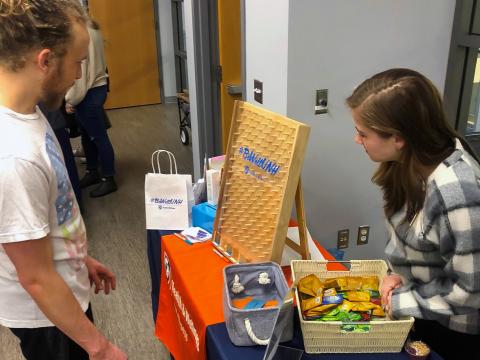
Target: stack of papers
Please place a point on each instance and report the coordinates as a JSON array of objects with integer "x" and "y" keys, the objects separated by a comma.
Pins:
[{"x": 196, "y": 234}]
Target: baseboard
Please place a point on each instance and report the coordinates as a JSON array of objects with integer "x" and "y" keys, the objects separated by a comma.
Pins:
[{"x": 170, "y": 99}]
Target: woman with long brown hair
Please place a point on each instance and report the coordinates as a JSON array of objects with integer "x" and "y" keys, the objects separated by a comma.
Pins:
[{"x": 430, "y": 181}]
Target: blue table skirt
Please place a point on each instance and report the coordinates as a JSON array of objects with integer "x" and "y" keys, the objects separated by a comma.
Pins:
[
  {"x": 153, "y": 252},
  {"x": 219, "y": 347}
]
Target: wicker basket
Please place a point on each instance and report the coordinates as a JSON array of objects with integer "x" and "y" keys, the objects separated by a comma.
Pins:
[{"x": 328, "y": 337}]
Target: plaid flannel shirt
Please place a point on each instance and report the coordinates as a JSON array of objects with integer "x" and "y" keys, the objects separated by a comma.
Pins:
[{"x": 438, "y": 254}]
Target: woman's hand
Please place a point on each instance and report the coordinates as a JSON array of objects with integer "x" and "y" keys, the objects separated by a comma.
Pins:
[{"x": 389, "y": 283}]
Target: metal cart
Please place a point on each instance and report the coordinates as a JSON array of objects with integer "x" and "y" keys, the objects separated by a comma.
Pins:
[{"x": 183, "y": 102}]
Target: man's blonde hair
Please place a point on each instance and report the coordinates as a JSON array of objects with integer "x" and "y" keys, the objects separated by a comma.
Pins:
[{"x": 26, "y": 25}]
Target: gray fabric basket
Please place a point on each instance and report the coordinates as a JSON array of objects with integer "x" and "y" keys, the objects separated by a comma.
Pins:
[{"x": 261, "y": 320}]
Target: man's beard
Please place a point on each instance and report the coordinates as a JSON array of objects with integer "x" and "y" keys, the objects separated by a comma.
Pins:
[{"x": 53, "y": 96}]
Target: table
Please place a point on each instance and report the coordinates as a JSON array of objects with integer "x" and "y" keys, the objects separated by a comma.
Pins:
[{"x": 190, "y": 320}]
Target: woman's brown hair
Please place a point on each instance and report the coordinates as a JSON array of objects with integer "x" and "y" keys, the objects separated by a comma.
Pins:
[
  {"x": 405, "y": 103},
  {"x": 26, "y": 25}
]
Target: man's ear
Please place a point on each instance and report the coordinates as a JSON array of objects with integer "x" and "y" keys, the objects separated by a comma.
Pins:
[
  {"x": 399, "y": 142},
  {"x": 44, "y": 59}
]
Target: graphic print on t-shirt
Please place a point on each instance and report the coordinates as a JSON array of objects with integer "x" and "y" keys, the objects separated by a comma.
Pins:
[{"x": 64, "y": 201}]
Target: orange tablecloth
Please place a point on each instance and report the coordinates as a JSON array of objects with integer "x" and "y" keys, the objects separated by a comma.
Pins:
[{"x": 190, "y": 296}]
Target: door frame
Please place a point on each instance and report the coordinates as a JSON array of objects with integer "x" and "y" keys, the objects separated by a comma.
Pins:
[
  {"x": 159, "y": 50},
  {"x": 199, "y": 73},
  {"x": 462, "y": 61},
  {"x": 202, "y": 54},
  {"x": 243, "y": 44}
]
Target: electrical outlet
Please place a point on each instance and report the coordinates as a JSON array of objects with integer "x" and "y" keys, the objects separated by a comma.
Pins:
[
  {"x": 258, "y": 91},
  {"x": 342, "y": 238},
  {"x": 321, "y": 101},
  {"x": 362, "y": 236}
]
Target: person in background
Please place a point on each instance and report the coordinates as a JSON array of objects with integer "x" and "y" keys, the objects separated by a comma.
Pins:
[
  {"x": 45, "y": 271},
  {"x": 86, "y": 98},
  {"x": 430, "y": 181},
  {"x": 59, "y": 125}
]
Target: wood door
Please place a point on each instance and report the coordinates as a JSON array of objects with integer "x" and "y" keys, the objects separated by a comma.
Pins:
[
  {"x": 230, "y": 57},
  {"x": 128, "y": 28}
]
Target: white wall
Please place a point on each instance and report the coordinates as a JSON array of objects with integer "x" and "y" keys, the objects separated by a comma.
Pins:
[
  {"x": 168, "y": 54},
  {"x": 266, "y": 37},
  {"x": 336, "y": 45}
]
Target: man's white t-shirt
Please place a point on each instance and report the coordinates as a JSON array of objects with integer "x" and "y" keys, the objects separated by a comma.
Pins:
[{"x": 36, "y": 200}]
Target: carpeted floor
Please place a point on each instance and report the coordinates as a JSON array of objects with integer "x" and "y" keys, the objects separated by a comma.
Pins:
[{"x": 116, "y": 230}]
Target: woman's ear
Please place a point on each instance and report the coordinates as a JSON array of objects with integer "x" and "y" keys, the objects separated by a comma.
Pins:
[{"x": 399, "y": 142}]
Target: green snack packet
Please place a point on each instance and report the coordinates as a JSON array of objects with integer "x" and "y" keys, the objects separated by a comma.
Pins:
[
  {"x": 354, "y": 316},
  {"x": 336, "y": 316}
]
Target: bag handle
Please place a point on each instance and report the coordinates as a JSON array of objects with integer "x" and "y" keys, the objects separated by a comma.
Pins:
[
  {"x": 171, "y": 157},
  {"x": 252, "y": 335}
]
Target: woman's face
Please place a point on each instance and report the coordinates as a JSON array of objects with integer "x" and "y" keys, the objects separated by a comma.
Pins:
[{"x": 378, "y": 148}]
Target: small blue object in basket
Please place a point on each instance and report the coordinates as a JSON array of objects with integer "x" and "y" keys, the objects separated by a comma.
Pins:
[
  {"x": 254, "y": 304},
  {"x": 203, "y": 215}
]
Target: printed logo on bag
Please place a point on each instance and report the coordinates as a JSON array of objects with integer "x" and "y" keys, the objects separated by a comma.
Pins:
[{"x": 166, "y": 203}]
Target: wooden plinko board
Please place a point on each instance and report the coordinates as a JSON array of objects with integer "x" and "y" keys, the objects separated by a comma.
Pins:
[{"x": 261, "y": 173}]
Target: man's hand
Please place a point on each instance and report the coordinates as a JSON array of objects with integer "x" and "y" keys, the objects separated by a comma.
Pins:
[
  {"x": 110, "y": 352},
  {"x": 389, "y": 283},
  {"x": 69, "y": 108},
  {"x": 99, "y": 275}
]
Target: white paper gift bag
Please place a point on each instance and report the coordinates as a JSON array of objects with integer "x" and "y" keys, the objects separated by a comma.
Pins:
[{"x": 168, "y": 197}]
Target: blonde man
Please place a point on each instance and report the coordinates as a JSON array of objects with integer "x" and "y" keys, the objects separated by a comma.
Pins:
[{"x": 45, "y": 272}]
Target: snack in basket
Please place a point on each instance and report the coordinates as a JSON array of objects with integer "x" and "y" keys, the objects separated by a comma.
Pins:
[
  {"x": 311, "y": 285},
  {"x": 340, "y": 315},
  {"x": 318, "y": 311},
  {"x": 330, "y": 292},
  {"x": 344, "y": 299},
  {"x": 333, "y": 299},
  {"x": 370, "y": 283},
  {"x": 311, "y": 303},
  {"x": 357, "y": 296}
]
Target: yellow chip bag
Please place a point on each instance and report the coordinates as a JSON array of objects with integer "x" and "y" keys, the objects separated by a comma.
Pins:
[
  {"x": 341, "y": 283},
  {"x": 346, "y": 305},
  {"x": 370, "y": 283},
  {"x": 319, "y": 310},
  {"x": 354, "y": 283},
  {"x": 378, "y": 311},
  {"x": 311, "y": 303},
  {"x": 364, "y": 306},
  {"x": 310, "y": 285},
  {"x": 330, "y": 292},
  {"x": 331, "y": 283},
  {"x": 358, "y": 296}
]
